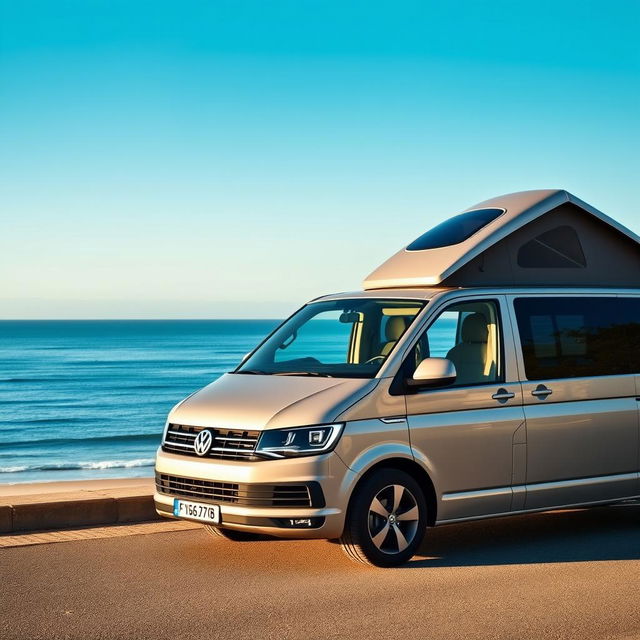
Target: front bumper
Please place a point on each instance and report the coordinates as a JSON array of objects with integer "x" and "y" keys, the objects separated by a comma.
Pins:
[{"x": 326, "y": 507}]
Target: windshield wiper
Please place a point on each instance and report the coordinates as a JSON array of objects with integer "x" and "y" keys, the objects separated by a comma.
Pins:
[
  {"x": 254, "y": 372},
  {"x": 303, "y": 373}
]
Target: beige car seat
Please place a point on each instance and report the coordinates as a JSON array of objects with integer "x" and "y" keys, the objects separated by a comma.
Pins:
[
  {"x": 393, "y": 330},
  {"x": 470, "y": 355}
]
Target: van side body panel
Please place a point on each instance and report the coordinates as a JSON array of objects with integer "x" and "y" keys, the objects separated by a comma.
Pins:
[
  {"x": 377, "y": 403},
  {"x": 465, "y": 436},
  {"x": 364, "y": 443},
  {"x": 638, "y": 407},
  {"x": 582, "y": 438}
]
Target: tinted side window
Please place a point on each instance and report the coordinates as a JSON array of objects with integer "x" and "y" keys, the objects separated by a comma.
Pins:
[
  {"x": 630, "y": 316},
  {"x": 572, "y": 337}
]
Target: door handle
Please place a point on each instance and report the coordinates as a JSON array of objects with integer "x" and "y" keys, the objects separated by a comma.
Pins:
[
  {"x": 541, "y": 391},
  {"x": 502, "y": 395}
]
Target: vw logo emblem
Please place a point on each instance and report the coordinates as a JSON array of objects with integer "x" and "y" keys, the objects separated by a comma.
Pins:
[{"x": 203, "y": 442}]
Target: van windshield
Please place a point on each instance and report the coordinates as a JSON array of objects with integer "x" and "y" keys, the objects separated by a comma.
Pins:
[{"x": 334, "y": 338}]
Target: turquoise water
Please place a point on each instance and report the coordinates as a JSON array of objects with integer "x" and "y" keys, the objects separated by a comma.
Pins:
[{"x": 88, "y": 399}]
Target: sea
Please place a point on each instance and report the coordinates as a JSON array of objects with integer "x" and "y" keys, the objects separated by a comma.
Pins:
[{"x": 89, "y": 398}]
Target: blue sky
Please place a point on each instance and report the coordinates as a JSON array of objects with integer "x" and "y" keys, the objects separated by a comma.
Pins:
[{"x": 233, "y": 159}]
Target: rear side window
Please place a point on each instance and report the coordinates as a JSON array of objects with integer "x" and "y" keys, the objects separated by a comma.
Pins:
[
  {"x": 630, "y": 316},
  {"x": 575, "y": 337}
]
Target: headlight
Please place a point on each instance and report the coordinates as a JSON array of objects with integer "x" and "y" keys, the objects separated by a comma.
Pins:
[{"x": 298, "y": 441}]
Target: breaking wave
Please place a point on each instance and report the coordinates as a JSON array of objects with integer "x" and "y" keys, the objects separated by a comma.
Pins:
[{"x": 66, "y": 466}]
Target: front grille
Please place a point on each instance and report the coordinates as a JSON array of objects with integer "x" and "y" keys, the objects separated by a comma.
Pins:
[
  {"x": 250, "y": 495},
  {"x": 228, "y": 444}
]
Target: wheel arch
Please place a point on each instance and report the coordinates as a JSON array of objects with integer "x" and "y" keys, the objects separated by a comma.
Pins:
[{"x": 412, "y": 468}]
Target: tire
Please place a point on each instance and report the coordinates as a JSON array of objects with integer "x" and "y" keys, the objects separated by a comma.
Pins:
[
  {"x": 232, "y": 534},
  {"x": 386, "y": 520}
]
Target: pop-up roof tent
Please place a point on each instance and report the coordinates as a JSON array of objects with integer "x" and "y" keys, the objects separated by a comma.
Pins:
[{"x": 530, "y": 238}]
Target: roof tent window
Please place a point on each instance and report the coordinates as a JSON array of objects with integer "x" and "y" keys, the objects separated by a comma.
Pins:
[
  {"x": 559, "y": 248},
  {"x": 455, "y": 230}
]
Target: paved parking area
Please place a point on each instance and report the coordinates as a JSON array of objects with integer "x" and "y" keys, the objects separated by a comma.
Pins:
[
  {"x": 572, "y": 574},
  {"x": 93, "y": 533}
]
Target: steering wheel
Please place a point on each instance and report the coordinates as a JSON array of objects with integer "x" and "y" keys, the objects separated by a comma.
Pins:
[{"x": 372, "y": 360}]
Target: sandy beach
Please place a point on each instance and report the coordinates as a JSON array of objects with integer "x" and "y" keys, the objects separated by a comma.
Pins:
[{"x": 73, "y": 486}]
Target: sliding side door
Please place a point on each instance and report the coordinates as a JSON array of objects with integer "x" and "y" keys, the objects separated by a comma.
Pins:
[{"x": 579, "y": 400}]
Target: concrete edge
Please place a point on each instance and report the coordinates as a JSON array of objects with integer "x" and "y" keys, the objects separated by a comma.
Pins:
[{"x": 67, "y": 513}]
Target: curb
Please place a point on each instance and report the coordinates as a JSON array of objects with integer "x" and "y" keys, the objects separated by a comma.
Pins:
[{"x": 60, "y": 512}]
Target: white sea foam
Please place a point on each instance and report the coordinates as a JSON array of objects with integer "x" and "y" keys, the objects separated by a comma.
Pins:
[{"x": 66, "y": 466}]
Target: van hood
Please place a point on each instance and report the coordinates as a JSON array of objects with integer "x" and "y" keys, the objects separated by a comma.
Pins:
[{"x": 241, "y": 401}]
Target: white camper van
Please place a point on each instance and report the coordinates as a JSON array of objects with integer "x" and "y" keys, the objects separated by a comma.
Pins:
[{"x": 491, "y": 367}]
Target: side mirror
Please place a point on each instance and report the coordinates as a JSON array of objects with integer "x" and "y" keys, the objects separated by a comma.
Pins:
[{"x": 433, "y": 372}]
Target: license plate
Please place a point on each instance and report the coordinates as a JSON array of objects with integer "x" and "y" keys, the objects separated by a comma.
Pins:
[{"x": 196, "y": 511}]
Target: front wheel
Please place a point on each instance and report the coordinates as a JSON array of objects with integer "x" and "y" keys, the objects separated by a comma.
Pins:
[{"x": 386, "y": 521}]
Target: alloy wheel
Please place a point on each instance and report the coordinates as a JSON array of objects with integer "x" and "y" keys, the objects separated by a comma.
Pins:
[{"x": 393, "y": 519}]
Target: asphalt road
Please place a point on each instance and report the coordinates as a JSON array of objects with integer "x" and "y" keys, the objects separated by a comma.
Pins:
[{"x": 554, "y": 575}]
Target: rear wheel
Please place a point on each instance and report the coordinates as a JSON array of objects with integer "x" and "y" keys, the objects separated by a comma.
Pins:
[
  {"x": 386, "y": 521},
  {"x": 233, "y": 534}
]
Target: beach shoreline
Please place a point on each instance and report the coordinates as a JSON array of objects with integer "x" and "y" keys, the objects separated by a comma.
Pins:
[{"x": 68, "y": 486}]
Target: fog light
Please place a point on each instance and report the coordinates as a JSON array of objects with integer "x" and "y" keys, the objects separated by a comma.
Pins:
[{"x": 300, "y": 522}]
